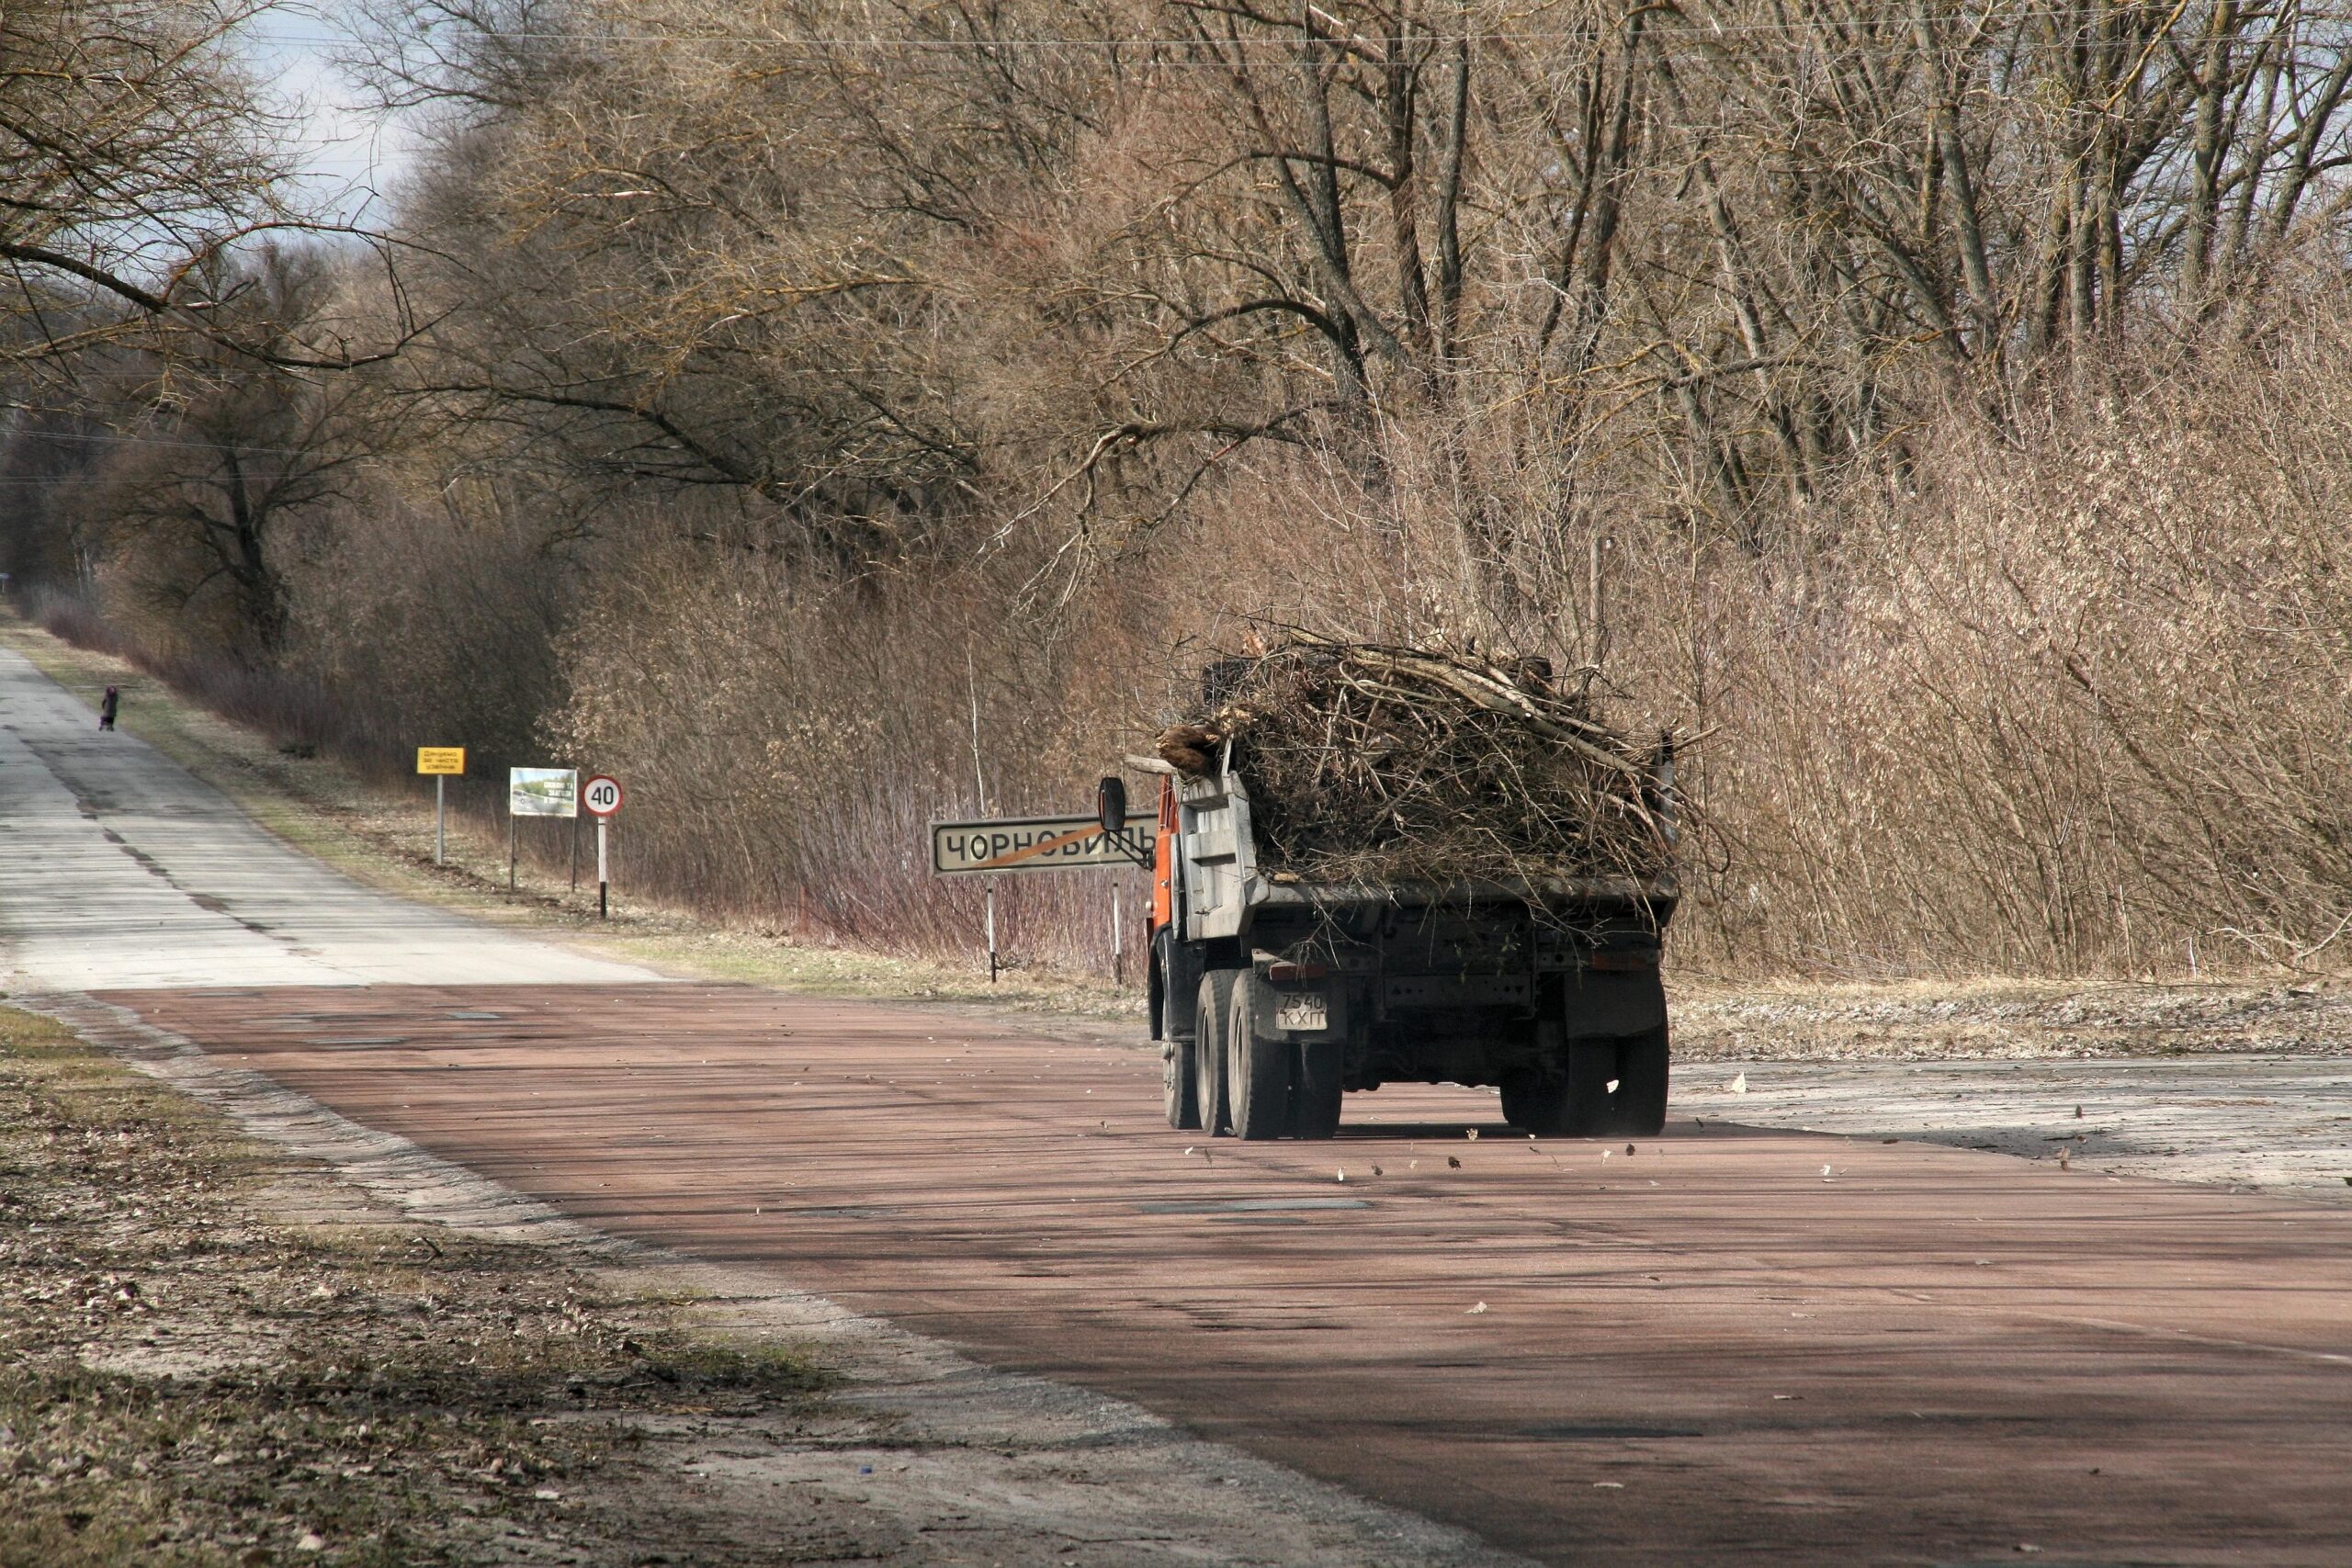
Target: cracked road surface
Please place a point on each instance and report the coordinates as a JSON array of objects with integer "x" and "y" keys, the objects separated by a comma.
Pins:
[{"x": 1729, "y": 1343}]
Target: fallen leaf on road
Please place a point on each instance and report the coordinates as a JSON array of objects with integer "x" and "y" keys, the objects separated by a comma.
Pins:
[
  {"x": 1343, "y": 1173},
  {"x": 1453, "y": 1163},
  {"x": 1609, "y": 1486},
  {"x": 1629, "y": 1148},
  {"x": 1739, "y": 1084},
  {"x": 1475, "y": 1310},
  {"x": 1470, "y": 1133}
]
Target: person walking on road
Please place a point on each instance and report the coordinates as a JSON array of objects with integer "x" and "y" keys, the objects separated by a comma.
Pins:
[{"x": 106, "y": 705}]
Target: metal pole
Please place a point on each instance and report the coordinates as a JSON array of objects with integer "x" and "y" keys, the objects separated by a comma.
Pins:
[
  {"x": 510, "y": 846},
  {"x": 440, "y": 816},
  {"x": 1115, "y": 952},
  {"x": 575, "y": 844},
  {"x": 603, "y": 909},
  {"x": 991, "y": 919}
]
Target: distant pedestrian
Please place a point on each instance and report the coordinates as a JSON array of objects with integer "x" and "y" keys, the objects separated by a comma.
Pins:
[{"x": 106, "y": 705}]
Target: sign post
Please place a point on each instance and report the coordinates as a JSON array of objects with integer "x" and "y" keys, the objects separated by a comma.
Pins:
[
  {"x": 602, "y": 796},
  {"x": 538, "y": 792},
  {"x": 441, "y": 762}
]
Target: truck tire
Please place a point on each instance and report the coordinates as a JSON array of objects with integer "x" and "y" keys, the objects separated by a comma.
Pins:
[
  {"x": 1535, "y": 1102},
  {"x": 1639, "y": 1108},
  {"x": 1564, "y": 1092},
  {"x": 1209, "y": 1030},
  {"x": 1315, "y": 1094},
  {"x": 1178, "y": 1084},
  {"x": 1258, "y": 1071},
  {"x": 1592, "y": 1064}
]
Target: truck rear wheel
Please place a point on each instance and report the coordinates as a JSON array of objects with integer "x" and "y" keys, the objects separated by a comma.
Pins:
[
  {"x": 1315, "y": 1096},
  {"x": 1179, "y": 1092},
  {"x": 1258, "y": 1072},
  {"x": 1209, "y": 1029},
  {"x": 1536, "y": 1102},
  {"x": 1639, "y": 1108}
]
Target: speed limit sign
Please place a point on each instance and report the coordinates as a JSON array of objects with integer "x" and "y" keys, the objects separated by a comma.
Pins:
[{"x": 600, "y": 795}]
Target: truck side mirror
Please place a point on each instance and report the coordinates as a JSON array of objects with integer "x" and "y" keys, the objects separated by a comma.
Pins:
[{"x": 1110, "y": 805}]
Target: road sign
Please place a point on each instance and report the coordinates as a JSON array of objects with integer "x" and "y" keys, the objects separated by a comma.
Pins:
[
  {"x": 1036, "y": 843},
  {"x": 600, "y": 795},
  {"x": 543, "y": 791},
  {"x": 441, "y": 759}
]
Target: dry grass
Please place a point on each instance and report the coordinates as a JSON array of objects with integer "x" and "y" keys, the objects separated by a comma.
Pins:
[{"x": 186, "y": 1380}]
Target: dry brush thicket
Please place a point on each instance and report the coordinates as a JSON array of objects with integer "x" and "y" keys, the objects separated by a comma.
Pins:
[{"x": 836, "y": 414}]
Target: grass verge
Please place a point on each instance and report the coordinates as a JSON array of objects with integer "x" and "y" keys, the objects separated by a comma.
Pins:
[{"x": 185, "y": 1380}]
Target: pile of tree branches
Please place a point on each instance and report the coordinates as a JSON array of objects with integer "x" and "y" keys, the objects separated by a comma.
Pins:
[{"x": 1366, "y": 763}]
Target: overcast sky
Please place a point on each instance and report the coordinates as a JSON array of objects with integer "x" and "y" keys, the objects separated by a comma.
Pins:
[{"x": 351, "y": 154}]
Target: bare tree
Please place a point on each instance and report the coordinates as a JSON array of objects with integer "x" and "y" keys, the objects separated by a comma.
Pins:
[{"x": 207, "y": 489}]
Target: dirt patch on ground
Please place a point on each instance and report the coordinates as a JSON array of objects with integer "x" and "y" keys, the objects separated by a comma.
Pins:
[{"x": 1946, "y": 1021}]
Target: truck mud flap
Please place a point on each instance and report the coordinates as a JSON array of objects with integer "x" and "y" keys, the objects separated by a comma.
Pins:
[{"x": 1617, "y": 1004}]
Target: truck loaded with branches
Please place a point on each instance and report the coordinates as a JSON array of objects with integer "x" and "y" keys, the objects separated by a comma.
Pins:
[{"x": 1379, "y": 864}]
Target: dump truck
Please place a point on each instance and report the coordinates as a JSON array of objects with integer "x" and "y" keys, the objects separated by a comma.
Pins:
[{"x": 1273, "y": 996}]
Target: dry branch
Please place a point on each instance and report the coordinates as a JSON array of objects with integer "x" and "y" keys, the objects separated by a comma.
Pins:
[{"x": 1368, "y": 762}]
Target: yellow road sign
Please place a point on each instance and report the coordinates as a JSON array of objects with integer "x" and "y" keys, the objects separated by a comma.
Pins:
[{"x": 440, "y": 759}]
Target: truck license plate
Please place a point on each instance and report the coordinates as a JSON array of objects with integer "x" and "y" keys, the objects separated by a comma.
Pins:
[{"x": 1301, "y": 1010}]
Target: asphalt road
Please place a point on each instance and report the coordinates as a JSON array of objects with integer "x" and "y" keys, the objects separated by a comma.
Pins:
[
  {"x": 1725, "y": 1344},
  {"x": 117, "y": 868},
  {"x": 1729, "y": 1343}
]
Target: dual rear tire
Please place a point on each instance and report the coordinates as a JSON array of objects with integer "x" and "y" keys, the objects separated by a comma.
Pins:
[
  {"x": 1250, "y": 1081},
  {"x": 1596, "y": 1088}
]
